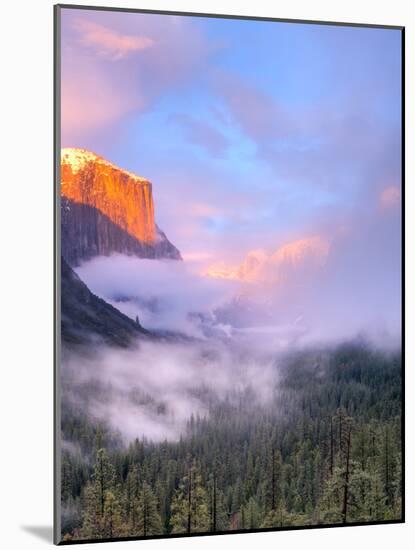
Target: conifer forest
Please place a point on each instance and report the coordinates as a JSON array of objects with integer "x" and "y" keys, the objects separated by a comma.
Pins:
[{"x": 324, "y": 451}]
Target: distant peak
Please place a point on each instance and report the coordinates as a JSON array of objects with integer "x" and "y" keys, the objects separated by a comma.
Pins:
[
  {"x": 296, "y": 251},
  {"x": 78, "y": 158},
  {"x": 259, "y": 266}
]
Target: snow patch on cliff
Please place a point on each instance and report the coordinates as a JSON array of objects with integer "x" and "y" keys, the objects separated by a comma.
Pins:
[{"x": 78, "y": 158}]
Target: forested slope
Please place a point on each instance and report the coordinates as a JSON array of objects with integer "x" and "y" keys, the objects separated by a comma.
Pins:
[{"x": 325, "y": 450}]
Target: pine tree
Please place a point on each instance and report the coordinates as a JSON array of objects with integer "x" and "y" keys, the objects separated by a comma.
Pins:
[
  {"x": 396, "y": 511},
  {"x": 103, "y": 476},
  {"x": 347, "y": 468},
  {"x": 130, "y": 494},
  {"x": 112, "y": 525},
  {"x": 189, "y": 509},
  {"x": 66, "y": 477},
  {"x": 275, "y": 482},
  {"x": 92, "y": 517},
  {"x": 366, "y": 497},
  {"x": 218, "y": 516},
  {"x": 95, "y": 494},
  {"x": 250, "y": 514},
  {"x": 147, "y": 517},
  {"x": 279, "y": 517}
]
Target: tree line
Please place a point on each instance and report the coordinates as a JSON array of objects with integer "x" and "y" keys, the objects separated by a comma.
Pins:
[{"x": 325, "y": 450}]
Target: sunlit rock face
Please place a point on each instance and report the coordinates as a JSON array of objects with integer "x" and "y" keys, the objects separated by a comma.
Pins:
[{"x": 106, "y": 209}]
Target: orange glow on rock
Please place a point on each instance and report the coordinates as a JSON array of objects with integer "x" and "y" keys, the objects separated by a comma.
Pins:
[{"x": 125, "y": 198}]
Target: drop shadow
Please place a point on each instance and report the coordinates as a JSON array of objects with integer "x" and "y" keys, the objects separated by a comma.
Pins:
[{"x": 43, "y": 532}]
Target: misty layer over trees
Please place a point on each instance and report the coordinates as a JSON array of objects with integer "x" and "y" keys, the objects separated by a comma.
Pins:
[{"x": 315, "y": 441}]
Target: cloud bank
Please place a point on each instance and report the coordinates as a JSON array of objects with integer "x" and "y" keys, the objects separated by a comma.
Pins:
[
  {"x": 165, "y": 294},
  {"x": 324, "y": 288},
  {"x": 153, "y": 390}
]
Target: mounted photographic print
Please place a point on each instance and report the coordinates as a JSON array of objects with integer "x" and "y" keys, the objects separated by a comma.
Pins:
[{"x": 229, "y": 274}]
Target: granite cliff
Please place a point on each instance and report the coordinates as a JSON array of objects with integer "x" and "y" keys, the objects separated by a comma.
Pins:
[{"x": 106, "y": 209}]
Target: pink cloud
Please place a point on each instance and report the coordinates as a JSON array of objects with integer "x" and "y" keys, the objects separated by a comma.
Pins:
[
  {"x": 201, "y": 209},
  {"x": 298, "y": 257},
  {"x": 109, "y": 43},
  {"x": 97, "y": 92},
  {"x": 91, "y": 100},
  {"x": 390, "y": 197}
]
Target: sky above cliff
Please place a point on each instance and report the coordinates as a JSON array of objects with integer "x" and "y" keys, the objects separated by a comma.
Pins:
[{"x": 254, "y": 134}]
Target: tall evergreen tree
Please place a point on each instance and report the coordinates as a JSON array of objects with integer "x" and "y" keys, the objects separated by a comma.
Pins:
[
  {"x": 112, "y": 525},
  {"x": 103, "y": 477},
  {"x": 148, "y": 520},
  {"x": 190, "y": 511}
]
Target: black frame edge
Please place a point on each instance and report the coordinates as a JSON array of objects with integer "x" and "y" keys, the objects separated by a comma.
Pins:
[
  {"x": 56, "y": 273},
  {"x": 403, "y": 274},
  {"x": 225, "y": 16}
]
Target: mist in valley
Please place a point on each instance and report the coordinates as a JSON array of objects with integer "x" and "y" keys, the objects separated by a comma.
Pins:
[
  {"x": 152, "y": 390},
  {"x": 216, "y": 339}
]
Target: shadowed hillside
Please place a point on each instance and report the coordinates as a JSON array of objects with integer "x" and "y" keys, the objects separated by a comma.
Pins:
[{"x": 86, "y": 318}]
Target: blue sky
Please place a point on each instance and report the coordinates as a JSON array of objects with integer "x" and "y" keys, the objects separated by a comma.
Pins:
[{"x": 253, "y": 133}]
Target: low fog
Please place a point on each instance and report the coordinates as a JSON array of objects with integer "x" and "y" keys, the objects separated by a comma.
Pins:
[
  {"x": 153, "y": 389},
  {"x": 230, "y": 333},
  {"x": 161, "y": 292}
]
